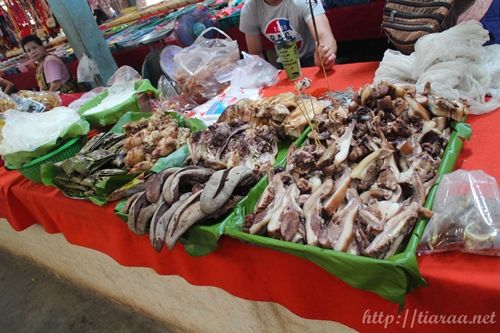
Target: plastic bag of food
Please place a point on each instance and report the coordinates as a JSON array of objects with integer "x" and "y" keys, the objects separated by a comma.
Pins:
[
  {"x": 253, "y": 72},
  {"x": 198, "y": 64},
  {"x": 87, "y": 69},
  {"x": 466, "y": 215},
  {"x": 28, "y": 105},
  {"x": 6, "y": 102},
  {"x": 49, "y": 99},
  {"x": 170, "y": 99}
]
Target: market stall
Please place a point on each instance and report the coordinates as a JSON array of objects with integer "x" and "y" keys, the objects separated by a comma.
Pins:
[
  {"x": 132, "y": 57},
  {"x": 125, "y": 35},
  {"x": 458, "y": 284}
]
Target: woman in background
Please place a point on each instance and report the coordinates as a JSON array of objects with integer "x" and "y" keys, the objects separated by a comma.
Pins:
[{"x": 51, "y": 72}]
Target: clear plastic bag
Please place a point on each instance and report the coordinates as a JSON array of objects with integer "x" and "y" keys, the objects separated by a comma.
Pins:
[
  {"x": 49, "y": 99},
  {"x": 466, "y": 215},
  {"x": 253, "y": 72},
  {"x": 196, "y": 66},
  {"x": 87, "y": 69},
  {"x": 124, "y": 75},
  {"x": 170, "y": 99}
]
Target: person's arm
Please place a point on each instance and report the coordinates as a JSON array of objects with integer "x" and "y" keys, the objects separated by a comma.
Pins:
[
  {"x": 250, "y": 27},
  {"x": 254, "y": 44},
  {"x": 327, "y": 46},
  {"x": 8, "y": 86},
  {"x": 55, "y": 85},
  {"x": 55, "y": 72}
]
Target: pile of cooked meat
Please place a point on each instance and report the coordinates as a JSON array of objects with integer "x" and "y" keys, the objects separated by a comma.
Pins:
[
  {"x": 177, "y": 198},
  {"x": 359, "y": 183},
  {"x": 149, "y": 139},
  {"x": 225, "y": 160},
  {"x": 247, "y": 133}
]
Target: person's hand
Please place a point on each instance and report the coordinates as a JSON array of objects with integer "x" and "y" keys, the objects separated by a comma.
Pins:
[{"x": 326, "y": 55}]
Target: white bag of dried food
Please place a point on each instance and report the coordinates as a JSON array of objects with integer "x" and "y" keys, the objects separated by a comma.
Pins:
[
  {"x": 27, "y": 131},
  {"x": 466, "y": 215},
  {"x": 456, "y": 64}
]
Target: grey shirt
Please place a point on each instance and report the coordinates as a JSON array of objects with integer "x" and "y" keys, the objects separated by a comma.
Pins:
[{"x": 289, "y": 17}]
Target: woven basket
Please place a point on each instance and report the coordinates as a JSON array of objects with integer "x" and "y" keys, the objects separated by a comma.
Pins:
[{"x": 31, "y": 170}]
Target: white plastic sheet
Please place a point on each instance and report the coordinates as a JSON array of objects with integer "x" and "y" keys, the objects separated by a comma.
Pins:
[{"x": 27, "y": 131}]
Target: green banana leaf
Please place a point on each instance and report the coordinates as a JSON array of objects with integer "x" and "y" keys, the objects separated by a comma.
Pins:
[
  {"x": 391, "y": 279},
  {"x": 202, "y": 239},
  {"x": 113, "y": 114},
  {"x": 129, "y": 117},
  {"x": 17, "y": 160}
]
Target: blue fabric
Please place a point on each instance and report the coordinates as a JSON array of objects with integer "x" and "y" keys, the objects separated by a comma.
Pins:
[{"x": 491, "y": 21}]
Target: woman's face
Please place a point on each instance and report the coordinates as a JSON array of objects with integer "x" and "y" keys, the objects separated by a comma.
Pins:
[{"x": 34, "y": 51}]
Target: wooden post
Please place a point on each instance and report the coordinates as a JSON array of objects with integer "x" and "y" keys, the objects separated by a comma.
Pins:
[{"x": 79, "y": 25}]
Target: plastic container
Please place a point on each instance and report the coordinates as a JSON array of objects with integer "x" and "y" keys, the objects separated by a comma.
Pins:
[{"x": 31, "y": 170}]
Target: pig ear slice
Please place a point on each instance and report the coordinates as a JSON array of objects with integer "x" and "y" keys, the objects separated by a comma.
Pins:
[
  {"x": 337, "y": 198},
  {"x": 159, "y": 225},
  {"x": 186, "y": 215},
  {"x": 221, "y": 186},
  {"x": 155, "y": 183}
]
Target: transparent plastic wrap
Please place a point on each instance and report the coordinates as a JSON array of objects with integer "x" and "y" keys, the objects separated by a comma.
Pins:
[
  {"x": 28, "y": 131},
  {"x": 124, "y": 75},
  {"x": 197, "y": 66},
  {"x": 121, "y": 89},
  {"x": 75, "y": 105},
  {"x": 49, "y": 99},
  {"x": 87, "y": 69},
  {"x": 466, "y": 215},
  {"x": 170, "y": 99},
  {"x": 253, "y": 72}
]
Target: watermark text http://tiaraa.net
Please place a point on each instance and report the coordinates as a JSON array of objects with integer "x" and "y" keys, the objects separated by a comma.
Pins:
[{"x": 410, "y": 318}]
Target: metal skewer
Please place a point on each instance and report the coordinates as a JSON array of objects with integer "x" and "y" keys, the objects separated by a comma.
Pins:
[{"x": 317, "y": 41}]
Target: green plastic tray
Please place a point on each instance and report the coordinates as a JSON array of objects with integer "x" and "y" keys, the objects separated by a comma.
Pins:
[
  {"x": 391, "y": 278},
  {"x": 31, "y": 170}
]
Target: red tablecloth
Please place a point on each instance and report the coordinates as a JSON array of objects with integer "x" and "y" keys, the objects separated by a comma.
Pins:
[{"x": 458, "y": 284}]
